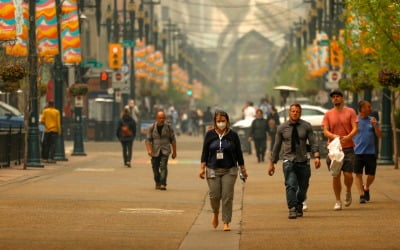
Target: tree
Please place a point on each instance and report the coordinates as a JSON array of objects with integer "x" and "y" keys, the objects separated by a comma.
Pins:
[{"x": 371, "y": 45}]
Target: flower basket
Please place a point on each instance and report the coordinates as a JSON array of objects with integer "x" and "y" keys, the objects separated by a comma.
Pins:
[
  {"x": 389, "y": 78},
  {"x": 12, "y": 72},
  {"x": 78, "y": 89},
  {"x": 10, "y": 87}
]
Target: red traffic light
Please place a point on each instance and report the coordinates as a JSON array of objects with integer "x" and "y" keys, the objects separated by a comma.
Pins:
[{"x": 103, "y": 76}]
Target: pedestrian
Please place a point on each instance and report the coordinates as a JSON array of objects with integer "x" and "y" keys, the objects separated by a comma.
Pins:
[
  {"x": 342, "y": 122},
  {"x": 50, "y": 118},
  {"x": 292, "y": 136},
  {"x": 365, "y": 149},
  {"x": 135, "y": 113},
  {"x": 258, "y": 134},
  {"x": 126, "y": 133},
  {"x": 207, "y": 120},
  {"x": 160, "y": 137},
  {"x": 273, "y": 123},
  {"x": 220, "y": 158}
]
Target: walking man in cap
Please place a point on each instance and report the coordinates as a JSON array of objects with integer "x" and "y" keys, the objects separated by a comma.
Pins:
[{"x": 342, "y": 122}]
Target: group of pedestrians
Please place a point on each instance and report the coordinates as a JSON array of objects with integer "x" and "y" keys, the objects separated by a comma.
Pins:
[{"x": 295, "y": 143}]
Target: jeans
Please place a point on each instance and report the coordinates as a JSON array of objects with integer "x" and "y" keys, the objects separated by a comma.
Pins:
[
  {"x": 127, "y": 150},
  {"x": 297, "y": 176},
  {"x": 49, "y": 145},
  {"x": 160, "y": 169}
]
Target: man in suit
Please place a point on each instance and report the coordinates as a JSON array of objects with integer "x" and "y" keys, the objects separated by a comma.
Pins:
[{"x": 159, "y": 139}]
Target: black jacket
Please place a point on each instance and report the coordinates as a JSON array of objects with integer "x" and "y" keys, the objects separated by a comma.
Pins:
[
  {"x": 233, "y": 155},
  {"x": 259, "y": 128},
  {"x": 132, "y": 125}
]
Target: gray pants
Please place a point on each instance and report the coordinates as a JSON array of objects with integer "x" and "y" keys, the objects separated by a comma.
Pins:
[{"x": 221, "y": 188}]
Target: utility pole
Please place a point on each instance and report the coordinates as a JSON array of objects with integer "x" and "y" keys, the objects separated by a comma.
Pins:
[{"x": 33, "y": 154}]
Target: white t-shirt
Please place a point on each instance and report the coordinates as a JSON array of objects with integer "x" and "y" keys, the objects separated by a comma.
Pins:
[{"x": 249, "y": 112}]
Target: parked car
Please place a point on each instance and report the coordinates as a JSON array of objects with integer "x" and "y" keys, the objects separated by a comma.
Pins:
[
  {"x": 10, "y": 116},
  {"x": 310, "y": 113}
]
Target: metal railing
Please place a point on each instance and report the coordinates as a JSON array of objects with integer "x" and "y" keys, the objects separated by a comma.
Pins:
[{"x": 12, "y": 143}]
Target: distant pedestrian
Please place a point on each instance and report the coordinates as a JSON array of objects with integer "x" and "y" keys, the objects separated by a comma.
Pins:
[
  {"x": 342, "y": 122},
  {"x": 207, "y": 120},
  {"x": 160, "y": 138},
  {"x": 258, "y": 134},
  {"x": 221, "y": 155},
  {"x": 292, "y": 136},
  {"x": 273, "y": 123},
  {"x": 135, "y": 113},
  {"x": 50, "y": 118},
  {"x": 126, "y": 133},
  {"x": 365, "y": 149}
]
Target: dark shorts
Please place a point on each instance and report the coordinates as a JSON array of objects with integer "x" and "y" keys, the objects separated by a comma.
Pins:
[
  {"x": 367, "y": 161},
  {"x": 348, "y": 161}
]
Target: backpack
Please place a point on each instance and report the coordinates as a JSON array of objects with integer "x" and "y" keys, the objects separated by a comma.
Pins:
[{"x": 126, "y": 130}]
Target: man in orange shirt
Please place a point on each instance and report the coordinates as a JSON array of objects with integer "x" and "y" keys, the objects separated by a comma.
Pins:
[
  {"x": 342, "y": 122},
  {"x": 52, "y": 128}
]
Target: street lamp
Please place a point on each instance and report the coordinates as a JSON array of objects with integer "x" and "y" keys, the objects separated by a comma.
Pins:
[
  {"x": 59, "y": 154},
  {"x": 33, "y": 159},
  {"x": 132, "y": 15},
  {"x": 386, "y": 157}
]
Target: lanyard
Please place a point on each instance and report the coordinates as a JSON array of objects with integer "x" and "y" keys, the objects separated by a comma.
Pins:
[{"x": 220, "y": 140}]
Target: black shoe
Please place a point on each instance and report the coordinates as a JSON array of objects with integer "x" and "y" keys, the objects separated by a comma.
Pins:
[
  {"x": 163, "y": 187},
  {"x": 128, "y": 164},
  {"x": 366, "y": 195},
  {"x": 362, "y": 199},
  {"x": 299, "y": 210},
  {"x": 158, "y": 186},
  {"x": 292, "y": 213}
]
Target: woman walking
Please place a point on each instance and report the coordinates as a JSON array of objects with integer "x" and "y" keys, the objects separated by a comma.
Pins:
[
  {"x": 126, "y": 134},
  {"x": 221, "y": 155}
]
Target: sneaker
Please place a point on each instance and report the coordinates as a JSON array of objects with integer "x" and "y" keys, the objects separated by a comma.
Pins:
[
  {"x": 158, "y": 186},
  {"x": 305, "y": 207},
  {"x": 128, "y": 164},
  {"x": 338, "y": 206},
  {"x": 292, "y": 213},
  {"x": 366, "y": 194},
  {"x": 163, "y": 187},
  {"x": 348, "y": 200},
  {"x": 362, "y": 199}
]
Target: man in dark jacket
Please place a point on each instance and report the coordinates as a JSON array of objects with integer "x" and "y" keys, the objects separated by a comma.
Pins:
[{"x": 258, "y": 133}]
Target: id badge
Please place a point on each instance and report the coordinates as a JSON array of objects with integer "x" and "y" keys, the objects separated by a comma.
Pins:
[{"x": 220, "y": 155}]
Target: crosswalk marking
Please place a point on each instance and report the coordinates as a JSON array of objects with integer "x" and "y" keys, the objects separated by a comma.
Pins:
[
  {"x": 95, "y": 169},
  {"x": 150, "y": 211}
]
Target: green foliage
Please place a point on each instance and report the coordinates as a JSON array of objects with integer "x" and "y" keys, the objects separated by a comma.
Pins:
[
  {"x": 293, "y": 72},
  {"x": 371, "y": 40}
]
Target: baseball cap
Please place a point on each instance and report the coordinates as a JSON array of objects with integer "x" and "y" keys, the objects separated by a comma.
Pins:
[{"x": 336, "y": 92}]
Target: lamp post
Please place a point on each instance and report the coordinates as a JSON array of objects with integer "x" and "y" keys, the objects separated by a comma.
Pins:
[
  {"x": 386, "y": 157},
  {"x": 78, "y": 104},
  {"x": 59, "y": 154},
  {"x": 132, "y": 15},
  {"x": 33, "y": 129}
]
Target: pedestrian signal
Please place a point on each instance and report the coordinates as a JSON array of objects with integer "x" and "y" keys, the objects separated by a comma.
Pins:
[
  {"x": 103, "y": 80},
  {"x": 115, "y": 56}
]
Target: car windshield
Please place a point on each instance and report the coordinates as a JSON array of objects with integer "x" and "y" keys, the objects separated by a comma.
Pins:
[{"x": 8, "y": 109}]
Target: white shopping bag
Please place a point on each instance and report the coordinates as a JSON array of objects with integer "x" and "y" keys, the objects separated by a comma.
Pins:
[{"x": 336, "y": 155}]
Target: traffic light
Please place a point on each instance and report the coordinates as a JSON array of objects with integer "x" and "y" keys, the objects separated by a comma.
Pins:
[
  {"x": 336, "y": 54},
  {"x": 189, "y": 92},
  {"x": 103, "y": 80},
  {"x": 115, "y": 55}
]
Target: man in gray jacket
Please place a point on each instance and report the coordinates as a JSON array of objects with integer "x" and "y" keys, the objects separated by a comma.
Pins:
[
  {"x": 292, "y": 136},
  {"x": 159, "y": 139}
]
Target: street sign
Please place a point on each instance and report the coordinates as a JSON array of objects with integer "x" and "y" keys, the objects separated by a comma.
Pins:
[
  {"x": 128, "y": 43},
  {"x": 323, "y": 42},
  {"x": 334, "y": 76}
]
